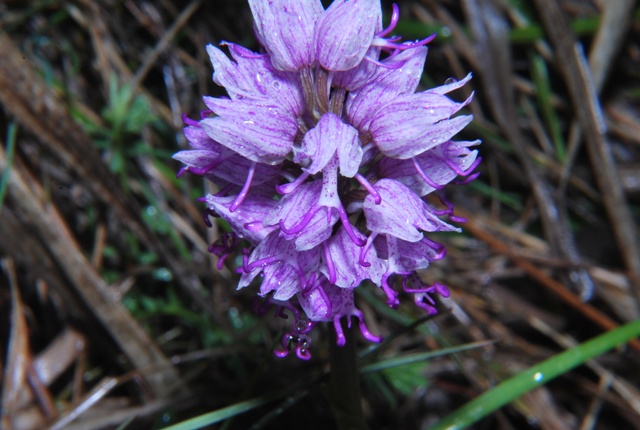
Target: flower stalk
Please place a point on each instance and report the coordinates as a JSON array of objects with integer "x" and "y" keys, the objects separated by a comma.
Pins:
[{"x": 343, "y": 391}]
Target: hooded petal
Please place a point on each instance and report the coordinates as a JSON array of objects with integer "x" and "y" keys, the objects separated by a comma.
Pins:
[
  {"x": 345, "y": 32},
  {"x": 285, "y": 28},
  {"x": 414, "y": 123},
  {"x": 246, "y": 221},
  {"x": 433, "y": 166},
  {"x": 353, "y": 79},
  {"x": 401, "y": 213},
  {"x": 322, "y": 141},
  {"x": 385, "y": 86},
  {"x": 256, "y": 130},
  {"x": 196, "y": 157},
  {"x": 282, "y": 266},
  {"x": 253, "y": 76},
  {"x": 234, "y": 170},
  {"x": 301, "y": 208},
  {"x": 198, "y": 139},
  {"x": 326, "y": 302},
  {"x": 345, "y": 257},
  {"x": 406, "y": 256}
]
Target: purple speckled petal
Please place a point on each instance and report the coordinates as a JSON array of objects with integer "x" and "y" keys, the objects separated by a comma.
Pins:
[
  {"x": 300, "y": 208},
  {"x": 253, "y": 76},
  {"x": 234, "y": 169},
  {"x": 294, "y": 206},
  {"x": 282, "y": 266},
  {"x": 385, "y": 86},
  {"x": 433, "y": 165},
  {"x": 406, "y": 256},
  {"x": 343, "y": 260},
  {"x": 326, "y": 302},
  {"x": 345, "y": 32},
  {"x": 401, "y": 214},
  {"x": 321, "y": 142},
  {"x": 354, "y": 79},
  {"x": 246, "y": 221},
  {"x": 260, "y": 132},
  {"x": 196, "y": 157},
  {"x": 198, "y": 139},
  {"x": 414, "y": 123},
  {"x": 285, "y": 28}
]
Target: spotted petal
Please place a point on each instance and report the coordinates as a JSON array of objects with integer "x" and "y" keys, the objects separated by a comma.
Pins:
[
  {"x": 253, "y": 76},
  {"x": 246, "y": 221},
  {"x": 385, "y": 86},
  {"x": 433, "y": 165},
  {"x": 415, "y": 123},
  {"x": 401, "y": 213},
  {"x": 257, "y": 130},
  {"x": 344, "y": 258},
  {"x": 285, "y": 28},
  {"x": 345, "y": 32}
]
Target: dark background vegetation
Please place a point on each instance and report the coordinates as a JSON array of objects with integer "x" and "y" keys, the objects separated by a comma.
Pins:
[{"x": 112, "y": 314}]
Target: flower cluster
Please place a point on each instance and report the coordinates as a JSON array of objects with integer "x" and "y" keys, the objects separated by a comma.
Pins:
[{"x": 323, "y": 154}]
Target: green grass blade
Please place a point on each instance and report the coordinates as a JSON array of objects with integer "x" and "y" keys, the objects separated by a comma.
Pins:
[
  {"x": 230, "y": 411},
  {"x": 11, "y": 146},
  {"x": 414, "y": 358},
  {"x": 543, "y": 94},
  {"x": 538, "y": 375}
]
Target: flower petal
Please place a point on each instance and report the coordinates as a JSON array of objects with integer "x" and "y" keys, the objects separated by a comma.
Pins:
[
  {"x": 401, "y": 213},
  {"x": 321, "y": 142},
  {"x": 283, "y": 267},
  {"x": 234, "y": 170},
  {"x": 354, "y": 79},
  {"x": 246, "y": 220},
  {"x": 385, "y": 86},
  {"x": 196, "y": 157},
  {"x": 258, "y": 131},
  {"x": 301, "y": 207},
  {"x": 198, "y": 139},
  {"x": 253, "y": 76},
  {"x": 345, "y": 32},
  {"x": 433, "y": 165},
  {"x": 406, "y": 256},
  {"x": 285, "y": 28},
  {"x": 414, "y": 123},
  {"x": 345, "y": 260},
  {"x": 326, "y": 302}
]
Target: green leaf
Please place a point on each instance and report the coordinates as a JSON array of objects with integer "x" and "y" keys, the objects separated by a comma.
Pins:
[
  {"x": 406, "y": 379},
  {"x": 230, "y": 411}
]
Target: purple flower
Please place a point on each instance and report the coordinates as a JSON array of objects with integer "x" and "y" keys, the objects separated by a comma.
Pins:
[{"x": 323, "y": 155}]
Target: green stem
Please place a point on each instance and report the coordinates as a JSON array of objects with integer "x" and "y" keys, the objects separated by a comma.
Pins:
[{"x": 344, "y": 387}]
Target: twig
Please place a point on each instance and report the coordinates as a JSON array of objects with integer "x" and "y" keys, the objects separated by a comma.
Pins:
[{"x": 556, "y": 287}]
